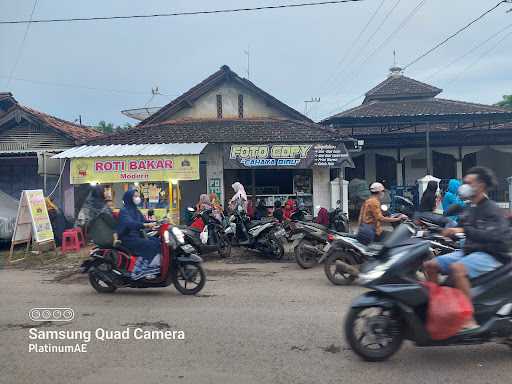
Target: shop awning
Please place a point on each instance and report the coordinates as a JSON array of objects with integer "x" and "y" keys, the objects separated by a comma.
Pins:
[{"x": 120, "y": 150}]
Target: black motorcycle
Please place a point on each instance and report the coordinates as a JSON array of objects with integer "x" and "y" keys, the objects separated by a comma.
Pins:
[
  {"x": 266, "y": 235},
  {"x": 213, "y": 238},
  {"x": 110, "y": 268},
  {"x": 396, "y": 308}
]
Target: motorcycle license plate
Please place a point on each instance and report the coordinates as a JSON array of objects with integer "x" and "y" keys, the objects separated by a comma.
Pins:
[
  {"x": 188, "y": 248},
  {"x": 280, "y": 233}
]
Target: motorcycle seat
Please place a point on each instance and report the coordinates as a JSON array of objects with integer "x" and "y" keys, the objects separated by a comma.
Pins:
[
  {"x": 254, "y": 223},
  {"x": 490, "y": 276},
  {"x": 119, "y": 247},
  {"x": 186, "y": 228},
  {"x": 316, "y": 225}
]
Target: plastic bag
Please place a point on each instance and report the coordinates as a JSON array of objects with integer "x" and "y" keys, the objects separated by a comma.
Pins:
[
  {"x": 204, "y": 235},
  {"x": 448, "y": 310}
]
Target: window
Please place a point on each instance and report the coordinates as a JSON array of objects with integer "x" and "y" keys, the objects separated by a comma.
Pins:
[
  {"x": 241, "y": 106},
  {"x": 219, "y": 106}
]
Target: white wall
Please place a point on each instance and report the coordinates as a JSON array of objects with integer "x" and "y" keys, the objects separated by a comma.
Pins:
[
  {"x": 321, "y": 189},
  {"x": 206, "y": 106}
]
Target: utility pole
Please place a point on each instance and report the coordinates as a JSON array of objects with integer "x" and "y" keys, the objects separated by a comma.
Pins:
[
  {"x": 307, "y": 102},
  {"x": 248, "y": 53}
]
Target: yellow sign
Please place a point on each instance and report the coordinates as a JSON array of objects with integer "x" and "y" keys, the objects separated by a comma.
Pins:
[
  {"x": 42, "y": 226},
  {"x": 132, "y": 169}
]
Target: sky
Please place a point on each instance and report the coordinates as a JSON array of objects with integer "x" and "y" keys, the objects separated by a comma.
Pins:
[{"x": 96, "y": 69}]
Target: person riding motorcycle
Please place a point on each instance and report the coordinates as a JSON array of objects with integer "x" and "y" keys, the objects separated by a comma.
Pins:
[
  {"x": 371, "y": 217},
  {"x": 451, "y": 197},
  {"x": 486, "y": 233},
  {"x": 131, "y": 222}
]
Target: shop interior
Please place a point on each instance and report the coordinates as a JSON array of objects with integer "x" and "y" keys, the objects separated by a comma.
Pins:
[{"x": 271, "y": 185}]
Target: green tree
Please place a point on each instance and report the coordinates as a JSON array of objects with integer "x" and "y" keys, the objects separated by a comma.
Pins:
[
  {"x": 506, "y": 102},
  {"x": 105, "y": 127}
]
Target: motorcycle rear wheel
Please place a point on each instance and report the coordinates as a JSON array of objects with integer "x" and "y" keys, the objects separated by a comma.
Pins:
[
  {"x": 192, "y": 275},
  {"x": 224, "y": 247},
  {"x": 306, "y": 260},
  {"x": 385, "y": 326},
  {"x": 276, "y": 247},
  {"x": 334, "y": 276}
]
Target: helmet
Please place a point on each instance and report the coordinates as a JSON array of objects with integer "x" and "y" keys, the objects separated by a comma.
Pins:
[{"x": 376, "y": 187}]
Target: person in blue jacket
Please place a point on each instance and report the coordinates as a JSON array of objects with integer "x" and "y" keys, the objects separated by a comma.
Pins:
[
  {"x": 451, "y": 197},
  {"x": 131, "y": 222}
]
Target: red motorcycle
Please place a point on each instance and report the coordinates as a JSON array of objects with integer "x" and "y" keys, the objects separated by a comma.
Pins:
[{"x": 110, "y": 268}]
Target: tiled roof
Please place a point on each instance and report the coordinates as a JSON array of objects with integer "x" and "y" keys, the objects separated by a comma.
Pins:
[
  {"x": 399, "y": 86},
  {"x": 74, "y": 131},
  {"x": 416, "y": 107},
  {"x": 223, "y": 131},
  {"x": 222, "y": 75},
  {"x": 77, "y": 132}
]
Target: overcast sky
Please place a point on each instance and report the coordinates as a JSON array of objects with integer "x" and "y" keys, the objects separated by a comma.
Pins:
[{"x": 295, "y": 54}]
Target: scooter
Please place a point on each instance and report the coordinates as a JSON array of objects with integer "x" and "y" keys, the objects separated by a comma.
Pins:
[
  {"x": 110, "y": 268},
  {"x": 396, "y": 308},
  {"x": 214, "y": 237},
  {"x": 264, "y": 235}
]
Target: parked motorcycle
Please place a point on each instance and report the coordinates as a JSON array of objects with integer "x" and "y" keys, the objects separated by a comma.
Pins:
[
  {"x": 110, "y": 268},
  {"x": 396, "y": 308},
  {"x": 264, "y": 235},
  {"x": 214, "y": 237},
  {"x": 338, "y": 221}
]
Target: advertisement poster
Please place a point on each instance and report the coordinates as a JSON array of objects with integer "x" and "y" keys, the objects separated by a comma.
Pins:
[
  {"x": 283, "y": 156},
  {"x": 40, "y": 220},
  {"x": 134, "y": 169}
]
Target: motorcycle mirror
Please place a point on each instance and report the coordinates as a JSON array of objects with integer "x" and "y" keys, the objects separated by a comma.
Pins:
[{"x": 384, "y": 208}]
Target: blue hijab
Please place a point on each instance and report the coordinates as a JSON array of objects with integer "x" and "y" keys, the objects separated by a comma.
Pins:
[{"x": 130, "y": 218}]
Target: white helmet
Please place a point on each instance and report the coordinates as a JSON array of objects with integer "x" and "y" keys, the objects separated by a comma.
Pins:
[{"x": 376, "y": 187}]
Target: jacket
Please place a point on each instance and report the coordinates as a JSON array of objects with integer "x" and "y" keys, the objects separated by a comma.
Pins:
[
  {"x": 486, "y": 229},
  {"x": 131, "y": 220},
  {"x": 451, "y": 196}
]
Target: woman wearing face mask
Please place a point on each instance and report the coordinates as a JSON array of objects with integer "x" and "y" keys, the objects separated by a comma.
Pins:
[{"x": 131, "y": 222}]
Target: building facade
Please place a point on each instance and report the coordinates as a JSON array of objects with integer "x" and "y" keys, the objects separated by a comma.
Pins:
[{"x": 409, "y": 132}]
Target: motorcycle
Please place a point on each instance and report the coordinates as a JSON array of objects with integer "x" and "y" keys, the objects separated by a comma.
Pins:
[
  {"x": 338, "y": 220},
  {"x": 396, "y": 308},
  {"x": 346, "y": 254},
  {"x": 264, "y": 235},
  {"x": 110, "y": 268},
  {"x": 214, "y": 237}
]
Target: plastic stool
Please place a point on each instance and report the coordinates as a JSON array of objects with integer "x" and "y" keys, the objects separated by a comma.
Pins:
[
  {"x": 70, "y": 242},
  {"x": 81, "y": 237}
]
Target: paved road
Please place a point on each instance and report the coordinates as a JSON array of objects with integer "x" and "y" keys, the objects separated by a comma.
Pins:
[{"x": 253, "y": 323}]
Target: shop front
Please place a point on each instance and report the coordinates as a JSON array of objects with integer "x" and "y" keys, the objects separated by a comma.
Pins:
[
  {"x": 277, "y": 172},
  {"x": 157, "y": 177}
]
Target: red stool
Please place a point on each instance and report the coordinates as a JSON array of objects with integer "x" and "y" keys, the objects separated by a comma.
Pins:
[
  {"x": 70, "y": 242},
  {"x": 81, "y": 238}
]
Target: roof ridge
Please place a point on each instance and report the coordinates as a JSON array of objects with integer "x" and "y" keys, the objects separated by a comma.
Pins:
[{"x": 472, "y": 103}]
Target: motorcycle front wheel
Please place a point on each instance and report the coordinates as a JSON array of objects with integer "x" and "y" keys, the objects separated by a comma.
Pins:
[
  {"x": 224, "y": 246},
  {"x": 373, "y": 333},
  {"x": 333, "y": 275},
  {"x": 188, "y": 279},
  {"x": 305, "y": 258},
  {"x": 275, "y": 247}
]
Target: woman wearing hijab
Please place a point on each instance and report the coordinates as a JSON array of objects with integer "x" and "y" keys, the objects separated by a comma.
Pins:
[
  {"x": 131, "y": 222},
  {"x": 428, "y": 200},
  {"x": 203, "y": 203},
  {"x": 240, "y": 197},
  {"x": 57, "y": 219},
  {"x": 451, "y": 197}
]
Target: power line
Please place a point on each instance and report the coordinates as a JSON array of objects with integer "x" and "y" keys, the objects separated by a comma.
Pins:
[
  {"x": 68, "y": 85},
  {"x": 191, "y": 13},
  {"x": 20, "y": 51},
  {"x": 475, "y": 62},
  {"x": 352, "y": 46},
  {"x": 438, "y": 45},
  {"x": 463, "y": 56}
]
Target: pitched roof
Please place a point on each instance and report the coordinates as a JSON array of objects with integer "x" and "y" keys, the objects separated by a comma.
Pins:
[
  {"x": 223, "y": 131},
  {"x": 222, "y": 75},
  {"x": 74, "y": 131},
  {"x": 399, "y": 86},
  {"x": 415, "y": 107}
]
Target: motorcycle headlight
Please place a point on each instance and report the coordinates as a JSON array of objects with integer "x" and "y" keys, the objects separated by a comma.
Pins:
[
  {"x": 178, "y": 234},
  {"x": 379, "y": 270}
]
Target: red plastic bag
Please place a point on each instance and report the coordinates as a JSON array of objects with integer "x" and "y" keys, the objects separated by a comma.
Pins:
[
  {"x": 448, "y": 310},
  {"x": 198, "y": 224}
]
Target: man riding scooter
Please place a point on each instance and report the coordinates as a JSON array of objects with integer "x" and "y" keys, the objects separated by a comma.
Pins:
[{"x": 486, "y": 232}]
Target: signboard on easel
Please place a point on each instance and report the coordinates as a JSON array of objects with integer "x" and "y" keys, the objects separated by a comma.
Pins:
[{"x": 32, "y": 223}]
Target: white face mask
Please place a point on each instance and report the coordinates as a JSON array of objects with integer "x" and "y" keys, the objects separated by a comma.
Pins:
[
  {"x": 136, "y": 200},
  {"x": 466, "y": 191}
]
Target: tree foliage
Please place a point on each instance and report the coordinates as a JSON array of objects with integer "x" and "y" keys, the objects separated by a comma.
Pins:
[
  {"x": 506, "y": 102},
  {"x": 105, "y": 127}
]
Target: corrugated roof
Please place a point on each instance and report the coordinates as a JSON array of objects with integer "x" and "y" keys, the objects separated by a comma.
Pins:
[{"x": 132, "y": 150}]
